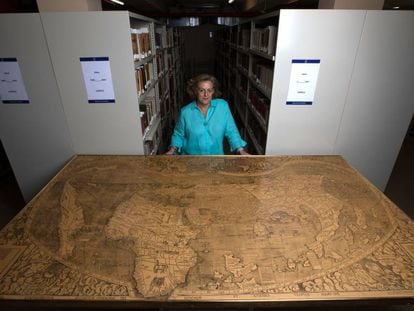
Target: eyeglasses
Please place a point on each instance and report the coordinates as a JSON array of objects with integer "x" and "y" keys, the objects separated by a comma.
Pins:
[{"x": 203, "y": 91}]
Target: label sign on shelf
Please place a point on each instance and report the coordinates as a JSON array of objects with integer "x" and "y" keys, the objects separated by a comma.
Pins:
[
  {"x": 98, "y": 79},
  {"x": 12, "y": 89},
  {"x": 303, "y": 78}
]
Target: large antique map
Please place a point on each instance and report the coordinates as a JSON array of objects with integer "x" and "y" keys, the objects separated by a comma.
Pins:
[{"x": 208, "y": 229}]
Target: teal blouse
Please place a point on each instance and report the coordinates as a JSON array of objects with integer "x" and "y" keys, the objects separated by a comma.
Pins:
[{"x": 194, "y": 134}]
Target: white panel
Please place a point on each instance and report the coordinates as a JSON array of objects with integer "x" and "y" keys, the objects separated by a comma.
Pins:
[
  {"x": 380, "y": 102},
  {"x": 35, "y": 135},
  {"x": 65, "y": 5},
  {"x": 96, "y": 128},
  {"x": 351, "y": 4},
  {"x": 331, "y": 36}
]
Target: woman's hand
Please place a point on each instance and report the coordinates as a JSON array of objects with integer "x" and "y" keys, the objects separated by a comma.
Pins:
[
  {"x": 241, "y": 151},
  {"x": 171, "y": 151}
]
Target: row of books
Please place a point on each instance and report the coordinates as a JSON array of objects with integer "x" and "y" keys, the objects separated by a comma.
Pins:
[
  {"x": 147, "y": 110},
  {"x": 165, "y": 39},
  {"x": 158, "y": 40},
  {"x": 170, "y": 37},
  {"x": 260, "y": 103},
  {"x": 242, "y": 85},
  {"x": 169, "y": 60},
  {"x": 175, "y": 52},
  {"x": 244, "y": 61},
  {"x": 264, "y": 39},
  {"x": 171, "y": 83},
  {"x": 244, "y": 40},
  {"x": 141, "y": 43},
  {"x": 162, "y": 87},
  {"x": 263, "y": 75},
  {"x": 144, "y": 74},
  {"x": 159, "y": 59},
  {"x": 165, "y": 107}
]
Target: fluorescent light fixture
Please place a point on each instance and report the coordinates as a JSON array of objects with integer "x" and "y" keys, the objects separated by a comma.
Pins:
[
  {"x": 118, "y": 2},
  {"x": 231, "y": 1}
]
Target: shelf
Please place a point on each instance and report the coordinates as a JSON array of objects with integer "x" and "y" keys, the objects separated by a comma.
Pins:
[
  {"x": 143, "y": 61},
  {"x": 265, "y": 91},
  {"x": 154, "y": 151},
  {"x": 165, "y": 95},
  {"x": 152, "y": 128},
  {"x": 257, "y": 115},
  {"x": 243, "y": 50},
  {"x": 142, "y": 97},
  {"x": 140, "y": 17},
  {"x": 256, "y": 145},
  {"x": 262, "y": 54}
]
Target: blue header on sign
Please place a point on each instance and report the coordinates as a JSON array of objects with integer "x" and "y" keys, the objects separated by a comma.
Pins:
[
  {"x": 298, "y": 103},
  {"x": 101, "y": 101},
  {"x": 8, "y": 59},
  {"x": 304, "y": 61},
  {"x": 15, "y": 101},
  {"x": 93, "y": 59}
]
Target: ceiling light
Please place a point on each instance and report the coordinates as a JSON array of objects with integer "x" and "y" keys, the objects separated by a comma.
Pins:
[
  {"x": 117, "y": 1},
  {"x": 231, "y": 1}
]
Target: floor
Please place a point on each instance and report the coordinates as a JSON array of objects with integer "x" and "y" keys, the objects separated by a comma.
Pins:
[
  {"x": 11, "y": 199},
  {"x": 400, "y": 188}
]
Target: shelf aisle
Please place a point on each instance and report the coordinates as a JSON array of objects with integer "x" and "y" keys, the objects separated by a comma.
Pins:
[{"x": 245, "y": 63}]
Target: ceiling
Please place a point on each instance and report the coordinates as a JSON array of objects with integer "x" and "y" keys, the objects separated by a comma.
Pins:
[
  {"x": 198, "y": 8},
  {"x": 203, "y": 8},
  {"x": 239, "y": 8},
  {"x": 401, "y": 4}
]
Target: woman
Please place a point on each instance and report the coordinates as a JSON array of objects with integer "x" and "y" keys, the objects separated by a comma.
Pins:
[{"x": 205, "y": 122}]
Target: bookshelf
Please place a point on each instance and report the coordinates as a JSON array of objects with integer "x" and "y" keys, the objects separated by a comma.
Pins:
[
  {"x": 175, "y": 78},
  {"x": 156, "y": 51},
  {"x": 245, "y": 64},
  {"x": 145, "y": 77}
]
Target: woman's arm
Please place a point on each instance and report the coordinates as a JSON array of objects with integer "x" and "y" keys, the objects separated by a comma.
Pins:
[{"x": 177, "y": 139}]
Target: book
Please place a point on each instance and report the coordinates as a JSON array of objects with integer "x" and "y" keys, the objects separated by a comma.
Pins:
[{"x": 271, "y": 42}]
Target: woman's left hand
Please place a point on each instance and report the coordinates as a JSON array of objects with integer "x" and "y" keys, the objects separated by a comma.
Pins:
[{"x": 243, "y": 152}]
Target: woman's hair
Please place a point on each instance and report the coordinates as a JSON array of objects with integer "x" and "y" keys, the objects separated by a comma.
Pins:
[{"x": 192, "y": 85}]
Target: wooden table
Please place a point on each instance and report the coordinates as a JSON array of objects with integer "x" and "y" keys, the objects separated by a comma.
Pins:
[{"x": 223, "y": 229}]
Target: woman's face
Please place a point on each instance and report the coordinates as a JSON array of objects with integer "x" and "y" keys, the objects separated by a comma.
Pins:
[{"x": 205, "y": 92}]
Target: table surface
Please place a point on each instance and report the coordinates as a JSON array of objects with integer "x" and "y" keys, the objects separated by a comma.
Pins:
[{"x": 200, "y": 229}]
